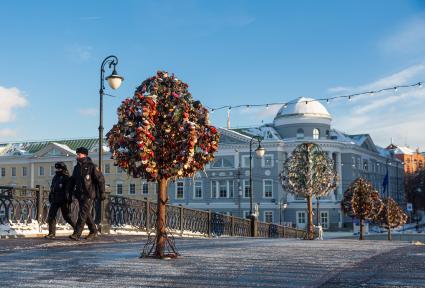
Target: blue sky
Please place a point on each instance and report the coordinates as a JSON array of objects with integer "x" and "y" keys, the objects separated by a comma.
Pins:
[{"x": 229, "y": 52}]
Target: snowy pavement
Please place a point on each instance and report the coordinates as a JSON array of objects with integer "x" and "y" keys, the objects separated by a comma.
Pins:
[{"x": 223, "y": 262}]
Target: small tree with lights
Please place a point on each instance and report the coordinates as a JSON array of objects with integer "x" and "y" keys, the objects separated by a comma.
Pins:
[
  {"x": 306, "y": 173},
  {"x": 162, "y": 134},
  {"x": 362, "y": 201},
  {"x": 391, "y": 216}
]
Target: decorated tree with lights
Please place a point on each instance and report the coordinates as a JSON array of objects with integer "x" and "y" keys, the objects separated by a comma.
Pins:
[
  {"x": 306, "y": 173},
  {"x": 391, "y": 216},
  {"x": 162, "y": 134},
  {"x": 362, "y": 201}
]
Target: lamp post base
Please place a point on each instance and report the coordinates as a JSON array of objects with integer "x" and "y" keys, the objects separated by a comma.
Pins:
[{"x": 254, "y": 226}]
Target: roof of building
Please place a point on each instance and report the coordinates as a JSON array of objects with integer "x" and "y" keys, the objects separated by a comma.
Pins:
[
  {"x": 34, "y": 146},
  {"x": 305, "y": 107}
]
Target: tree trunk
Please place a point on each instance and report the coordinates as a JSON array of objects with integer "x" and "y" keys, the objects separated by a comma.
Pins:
[
  {"x": 389, "y": 233},
  {"x": 361, "y": 229},
  {"x": 310, "y": 227},
  {"x": 161, "y": 218}
]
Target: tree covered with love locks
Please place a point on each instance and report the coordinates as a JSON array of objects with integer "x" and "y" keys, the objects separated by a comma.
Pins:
[
  {"x": 391, "y": 216},
  {"x": 162, "y": 132},
  {"x": 362, "y": 201},
  {"x": 306, "y": 173}
]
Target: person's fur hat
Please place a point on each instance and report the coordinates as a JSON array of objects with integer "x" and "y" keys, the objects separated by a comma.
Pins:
[
  {"x": 82, "y": 150},
  {"x": 61, "y": 166}
]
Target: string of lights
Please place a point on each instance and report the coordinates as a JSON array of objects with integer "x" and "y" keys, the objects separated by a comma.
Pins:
[{"x": 327, "y": 99}]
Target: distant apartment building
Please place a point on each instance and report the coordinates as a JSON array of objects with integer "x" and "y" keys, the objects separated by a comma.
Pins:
[{"x": 413, "y": 160}]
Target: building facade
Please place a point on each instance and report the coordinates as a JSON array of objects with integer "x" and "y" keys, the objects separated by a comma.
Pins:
[
  {"x": 413, "y": 160},
  {"x": 224, "y": 185}
]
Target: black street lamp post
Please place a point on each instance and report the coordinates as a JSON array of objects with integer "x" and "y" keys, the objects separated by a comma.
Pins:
[
  {"x": 260, "y": 153},
  {"x": 282, "y": 217},
  {"x": 114, "y": 81}
]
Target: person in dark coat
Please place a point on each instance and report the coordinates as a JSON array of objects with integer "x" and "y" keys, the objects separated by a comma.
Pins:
[
  {"x": 59, "y": 198},
  {"x": 87, "y": 183}
]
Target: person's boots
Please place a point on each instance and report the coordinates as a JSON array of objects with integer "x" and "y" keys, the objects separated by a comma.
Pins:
[
  {"x": 50, "y": 236},
  {"x": 91, "y": 236},
  {"x": 74, "y": 237},
  {"x": 52, "y": 233}
]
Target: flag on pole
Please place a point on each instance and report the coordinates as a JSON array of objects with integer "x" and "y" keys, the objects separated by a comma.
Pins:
[{"x": 385, "y": 184}]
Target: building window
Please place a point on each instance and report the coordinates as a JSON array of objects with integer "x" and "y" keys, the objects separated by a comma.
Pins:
[
  {"x": 324, "y": 219},
  {"x": 366, "y": 165},
  {"x": 268, "y": 216},
  {"x": 24, "y": 171},
  {"x": 179, "y": 190},
  {"x": 107, "y": 168},
  {"x": 222, "y": 189},
  {"x": 316, "y": 133},
  {"x": 224, "y": 162},
  {"x": 132, "y": 189},
  {"x": 41, "y": 171},
  {"x": 3, "y": 172},
  {"x": 145, "y": 189},
  {"x": 246, "y": 214},
  {"x": 245, "y": 161},
  {"x": 119, "y": 170},
  {"x": 52, "y": 170},
  {"x": 300, "y": 133},
  {"x": 327, "y": 134},
  {"x": 267, "y": 161},
  {"x": 13, "y": 171},
  {"x": 119, "y": 188},
  {"x": 246, "y": 188},
  {"x": 301, "y": 218},
  {"x": 197, "y": 190},
  {"x": 267, "y": 188},
  {"x": 285, "y": 156}
]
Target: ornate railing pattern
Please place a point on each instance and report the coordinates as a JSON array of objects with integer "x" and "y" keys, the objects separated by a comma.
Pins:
[{"x": 24, "y": 205}]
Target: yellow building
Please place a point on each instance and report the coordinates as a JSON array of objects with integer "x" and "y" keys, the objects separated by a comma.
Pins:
[{"x": 31, "y": 164}]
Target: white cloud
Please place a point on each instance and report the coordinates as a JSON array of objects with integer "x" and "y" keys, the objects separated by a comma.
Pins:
[
  {"x": 80, "y": 52},
  {"x": 408, "y": 39},
  {"x": 88, "y": 111},
  {"x": 390, "y": 114},
  {"x": 10, "y": 98},
  {"x": 339, "y": 89},
  {"x": 7, "y": 133}
]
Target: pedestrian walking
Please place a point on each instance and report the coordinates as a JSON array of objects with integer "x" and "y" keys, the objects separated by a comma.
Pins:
[
  {"x": 87, "y": 183},
  {"x": 59, "y": 198}
]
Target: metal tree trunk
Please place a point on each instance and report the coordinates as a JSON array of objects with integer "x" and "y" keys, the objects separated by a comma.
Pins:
[
  {"x": 361, "y": 237},
  {"x": 310, "y": 228},
  {"x": 389, "y": 233},
  {"x": 161, "y": 236}
]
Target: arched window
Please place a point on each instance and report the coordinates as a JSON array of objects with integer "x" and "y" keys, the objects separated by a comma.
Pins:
[
  {"x": 316, "y": 133},
  {"x": 300, "y": 133},
  {"x": 327, "y": 134}
]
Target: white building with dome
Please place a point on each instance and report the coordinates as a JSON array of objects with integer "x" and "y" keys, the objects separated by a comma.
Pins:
[{"x": 224, "y": 186}]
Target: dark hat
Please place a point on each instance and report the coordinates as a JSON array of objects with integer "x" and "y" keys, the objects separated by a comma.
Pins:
[
  {"x": 60, "y": 166},
  {"x": 82, "y": 150}
]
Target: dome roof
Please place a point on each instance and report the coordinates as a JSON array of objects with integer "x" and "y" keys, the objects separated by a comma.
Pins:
[{"x": 299, "y": 107}]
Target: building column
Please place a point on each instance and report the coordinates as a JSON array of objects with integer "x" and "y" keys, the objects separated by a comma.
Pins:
[
  {"x": 339, "y": 171},
  {"x": 32, "y": 175}
]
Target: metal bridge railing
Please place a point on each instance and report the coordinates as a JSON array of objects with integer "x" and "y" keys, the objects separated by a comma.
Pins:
[{"x": 23, "y": 205}]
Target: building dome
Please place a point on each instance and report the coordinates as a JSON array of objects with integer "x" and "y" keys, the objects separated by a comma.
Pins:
[
  {"x": 300, "y": 107},
  {"x": 303, "y": 117}
]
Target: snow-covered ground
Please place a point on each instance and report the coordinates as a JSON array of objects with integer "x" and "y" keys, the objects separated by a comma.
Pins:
[
  {"x": 223, "y": 262},
  {"x": 34, "y": 229}
]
